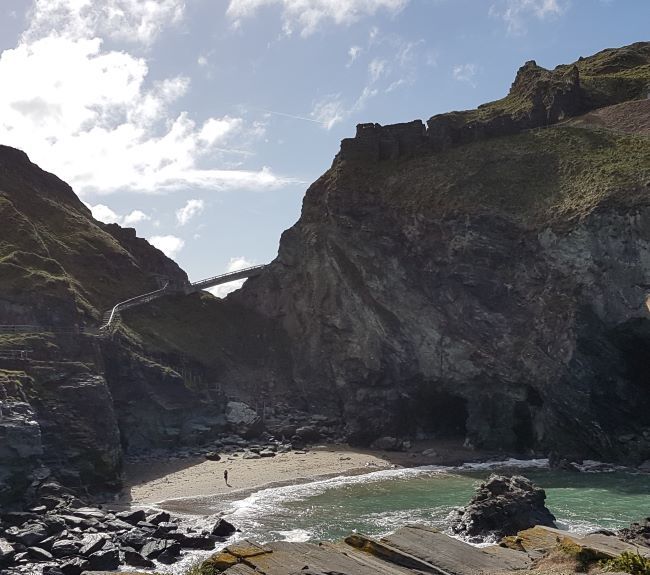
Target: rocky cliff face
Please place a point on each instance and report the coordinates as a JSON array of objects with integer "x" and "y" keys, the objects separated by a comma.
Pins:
[
  {"x": 480, "y": 278},
  {"x": 485, "y": 276},
  {"x": 71, "y": 402}
]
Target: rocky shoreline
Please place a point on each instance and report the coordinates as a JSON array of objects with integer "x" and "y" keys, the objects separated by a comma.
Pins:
[{"x": 60, "y": 532}]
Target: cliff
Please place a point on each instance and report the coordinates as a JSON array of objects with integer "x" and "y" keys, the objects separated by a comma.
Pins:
[{"x": 485, "y": 277}]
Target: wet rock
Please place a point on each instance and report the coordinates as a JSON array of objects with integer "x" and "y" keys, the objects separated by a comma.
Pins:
[
  {"x": 251, "y": 455},
  {"x": 637, "y": 533},
  {"x": 212, "y": 456},
  {"x": 267, "y": 453},
  {"x": 502, "y": 506},
  {"x": 645, "y": 466},
  {"x": 193, "y": 541},
  {"x": 223, "y": 528},
  {"x": 153, "y": 549}
]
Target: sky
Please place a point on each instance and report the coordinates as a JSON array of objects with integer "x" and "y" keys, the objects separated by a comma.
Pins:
[{"x": 201, "y": 123}]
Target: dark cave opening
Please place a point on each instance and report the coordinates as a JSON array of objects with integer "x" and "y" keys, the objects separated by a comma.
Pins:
[
  {"x": 439, "y": 414},
  {"x": 522, "y": 426},
  {"x": 632, "y": 339}
]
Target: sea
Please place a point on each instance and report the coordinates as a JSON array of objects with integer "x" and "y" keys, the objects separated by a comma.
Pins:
[{"x": 376, "y": 503}]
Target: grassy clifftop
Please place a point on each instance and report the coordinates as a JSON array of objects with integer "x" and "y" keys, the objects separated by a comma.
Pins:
[
  {"x": 58, "y": 263},
  {"x": 538, "y": 177}
]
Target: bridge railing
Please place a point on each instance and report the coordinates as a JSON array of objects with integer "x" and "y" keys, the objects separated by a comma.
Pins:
[
  {"x": 48, "y": 329},
  {"x": 131, "y": 302},
  {"x": 235, "y": 275}
]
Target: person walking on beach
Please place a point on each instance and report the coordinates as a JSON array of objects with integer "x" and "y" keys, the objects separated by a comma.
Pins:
[{"x": 225, "y": 477}]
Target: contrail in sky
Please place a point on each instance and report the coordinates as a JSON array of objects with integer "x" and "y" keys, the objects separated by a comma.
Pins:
[{"x": 292, "y": 116}]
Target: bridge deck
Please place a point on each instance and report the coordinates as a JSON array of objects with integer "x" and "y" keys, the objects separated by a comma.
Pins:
[{"x": 111, "y": 314}]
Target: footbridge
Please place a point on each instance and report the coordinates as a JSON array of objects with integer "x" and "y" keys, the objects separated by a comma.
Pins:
[{"x": 168, "y": 289}]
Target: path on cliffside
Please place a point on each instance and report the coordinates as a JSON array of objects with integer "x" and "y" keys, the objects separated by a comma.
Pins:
[{"x": 189, "y": 288}]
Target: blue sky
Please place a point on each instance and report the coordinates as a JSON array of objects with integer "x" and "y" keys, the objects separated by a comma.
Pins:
[{"x": 202, "y": 122}]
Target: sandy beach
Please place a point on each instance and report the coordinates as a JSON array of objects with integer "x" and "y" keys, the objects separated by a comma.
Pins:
[
  {"x": 150, "y": 483},
  {"x": 159, "y": 482}
]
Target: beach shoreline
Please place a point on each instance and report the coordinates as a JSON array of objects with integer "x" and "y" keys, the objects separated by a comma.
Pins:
[{"x": 196, "y": 486}]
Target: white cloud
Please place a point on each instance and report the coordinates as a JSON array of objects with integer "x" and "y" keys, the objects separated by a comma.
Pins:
[
  {"x": 308, "y": 15},
  {"x": 202, "y": 61},
  {"x": 329, "y": 111},
  {"x": 106, "y": 215},
  {"x": 135, "y": 217},
  {"x": 465, "y": 73},
  {"x": 188, "y": 211},
  {"x": 377, "y": 68},
  {"x": 515, "y": 12},
  {"x": 353, "y": 54},
  {"x": 169, "y": 245},
  {"x": 129, "y": 20},
  {"x": 93, "y": 115},
  {"x": 235, "y": 264}
]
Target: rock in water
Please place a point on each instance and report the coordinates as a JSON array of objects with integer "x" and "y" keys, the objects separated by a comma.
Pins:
[
  {"x": 637, "y": 533},
  {"x": 503, "y": 506}
]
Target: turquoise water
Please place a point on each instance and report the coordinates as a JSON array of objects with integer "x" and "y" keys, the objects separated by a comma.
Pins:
[{"x": 377, "y": 503}]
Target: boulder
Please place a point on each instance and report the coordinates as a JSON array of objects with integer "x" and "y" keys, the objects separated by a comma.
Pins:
[
  {"x": 212, "y": 456},
  {"x": 7, "y": 552},
  {"x": 65, "y": 547},
  {"x": 38, "y": 554},
  {"x": 308, "y": 433},
  {"x": 134, "y": 559},
  {"x": 73, "y": 566},
  {"x": 243, "y": 419},
  {"x": 92, "y": 543},
  {"x": 135, "y": 538},
  {"x": 637, "y": 533},
  {"x": 159, "y": 517},
  {"x": 29, "y": 536},
  {"x": 223, "y": 528},
  {"x": 502, "y": 506},
  {"x": 193, "y": 541},
  {"x": 133, "y": 517},
  {"x": 267, "y": 453},
  {"x": 387, "y": 444},
  {"x": 251, "y": 455},
  {"x": 103, "y": 560},
  {"x": 152, "y": 549}
]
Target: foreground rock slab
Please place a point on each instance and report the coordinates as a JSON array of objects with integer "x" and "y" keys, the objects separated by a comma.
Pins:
[{"x": 411, "y": 549}]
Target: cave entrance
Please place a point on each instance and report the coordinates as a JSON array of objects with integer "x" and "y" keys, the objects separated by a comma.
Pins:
[
  {"x": 632, "y": 339},
  {"x": 439, "y": 414}
]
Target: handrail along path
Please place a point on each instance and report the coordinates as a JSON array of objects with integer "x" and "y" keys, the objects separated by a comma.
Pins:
[{"x": 187, "y": 289}]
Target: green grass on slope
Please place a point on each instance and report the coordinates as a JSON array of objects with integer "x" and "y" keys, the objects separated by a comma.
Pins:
[{"x": 546, "y": 176}]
